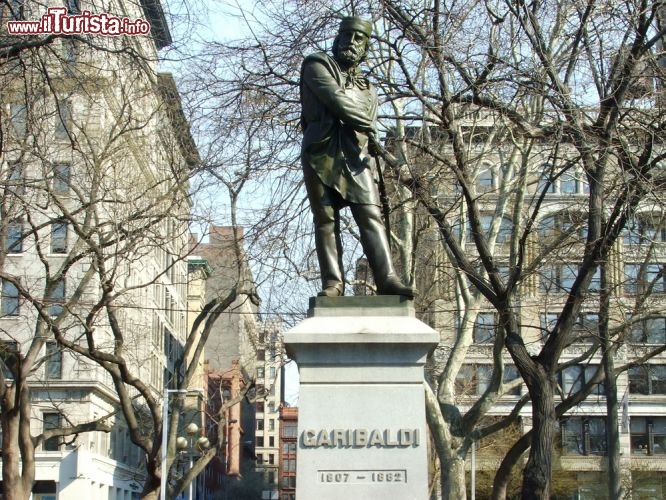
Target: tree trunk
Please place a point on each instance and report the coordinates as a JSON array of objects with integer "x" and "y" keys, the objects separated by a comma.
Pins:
[
  {"x": 12, "y": 482},
  {"x": 151, "y": 495},
  {"x": 612, "y": 432},
  {"x": 538, "y": 470},
  {"x": 151, "y": 488},
  {"x": 453, "y": 478},
  {"x": 503, "y": 474},
  {"x": 17, "y": 480}
]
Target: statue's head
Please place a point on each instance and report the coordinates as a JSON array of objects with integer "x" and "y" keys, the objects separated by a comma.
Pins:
[{"x": 351, "y": 44}]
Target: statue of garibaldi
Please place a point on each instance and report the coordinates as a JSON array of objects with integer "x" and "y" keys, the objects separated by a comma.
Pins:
[{"x": 338, "y": 119}]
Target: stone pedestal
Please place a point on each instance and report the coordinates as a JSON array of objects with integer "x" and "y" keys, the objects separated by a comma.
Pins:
[{"x": 361, "y": 418}]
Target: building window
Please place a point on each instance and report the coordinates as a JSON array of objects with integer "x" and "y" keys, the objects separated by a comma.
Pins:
[
  {"x": 17, "y": 9},
  {"x": 9, "y": 303},
  {"x": 18, "y": 119},
  {"x": 569, "y": 182},
  {"x": 289, "y": 481},
  {"x": 465, "y": 383},
  {"x": 648, "y": 435},
  {"x": 586, "y": 327},
  {"x": 475, "y": 379},
  {"x": 560, "y": 278},
  {"x": 583, "y": 435},
  {"x": 69, "y": 56},
  {"x": 14, "y": 238},
  {"x": 261, "y": 355},
  {"x": 53, "y": 361},
  {"x": 56, "y": 298},
  {"x": 573, "y": 379},
  {"x": 289, "y": 429},
  {"x": 485, "y": 181},
  {"x": 548, "y": 322},
  {"x": 51, "y": 421},
  {"x": 73, "y": 6},
  {"x": 271, "y": 441},
  {"x": 484, "y": 328},
  {"x": 260, "y": 372},
  {"x": 641, "y": 278},
  {"x": 562, "y": 224},
  {"x": 260, "y": 406},
  {"x": 16, "y": 178},
  {"x": 503, "y": 233},
  {"x": 547, "y": 182},
  {"x": 649, "y": 331},
  {"x": 260, "y": 424},
  {"x": 647, "y": 379},
  {"x": 63, "y": 119},
  {"x": 271, "y": 459},
  {"x": 484, "y": 375},
  {"x": 59, "y": 237},
  {"x": 260, "y": 441},
  {"x": 271, "y": 424},
  {"x": 62, "y": 173},
  {"x": 645, "y": 229}
]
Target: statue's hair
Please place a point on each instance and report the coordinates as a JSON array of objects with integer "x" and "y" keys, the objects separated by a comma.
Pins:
[{"x": 336, "y": 42}]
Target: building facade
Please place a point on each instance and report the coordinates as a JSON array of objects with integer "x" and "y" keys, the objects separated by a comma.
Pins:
[
  {"x": 94, "y": 237},
  {"x": 230, "y": 357},
  {"x": 270, "y": 358},
  {"x": 288, "y": 448},
  {"x": 506, "y": 187}
]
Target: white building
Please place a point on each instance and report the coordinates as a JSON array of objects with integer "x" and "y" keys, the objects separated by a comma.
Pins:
[
  {"x": 270, "y": 358},
  {"x": 635, "y": 270},
  {"x": 94, "y": 155}
]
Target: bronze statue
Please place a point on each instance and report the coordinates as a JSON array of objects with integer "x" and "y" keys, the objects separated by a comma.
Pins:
[{"x": 338, "y": 117}]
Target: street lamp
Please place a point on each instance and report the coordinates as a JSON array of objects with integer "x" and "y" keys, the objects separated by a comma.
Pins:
[
  {"x": 185, "y": 444},
  {"x": 165, "y": 425}
]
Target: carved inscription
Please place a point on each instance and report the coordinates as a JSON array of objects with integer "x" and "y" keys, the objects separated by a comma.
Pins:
[
  {"x": 361, "y": 476},
  {"x": 360, "y": 438}
]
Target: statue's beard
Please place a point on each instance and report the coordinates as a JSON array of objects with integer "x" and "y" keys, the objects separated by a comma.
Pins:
[{"x": 349, "y": 56}]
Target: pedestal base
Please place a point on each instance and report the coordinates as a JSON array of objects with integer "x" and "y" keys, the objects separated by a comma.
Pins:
[{"x": 361, "y": 419}]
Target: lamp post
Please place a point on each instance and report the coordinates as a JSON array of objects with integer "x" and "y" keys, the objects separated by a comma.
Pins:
[
  {"x": 185, "y": 444},
  {"x": 165, "y": 432}
]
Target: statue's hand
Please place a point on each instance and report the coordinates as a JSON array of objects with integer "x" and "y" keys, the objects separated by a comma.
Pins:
[{"x": 375, "y": 148}]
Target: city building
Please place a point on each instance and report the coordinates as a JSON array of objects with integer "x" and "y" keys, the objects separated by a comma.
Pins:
[
  {"x": 225, "y": 467},
  {"x": 288, "y": 447},
  {"x": 230, "y": 356},
  {"x": 94, "y": 236},
  {"x": 635, "y": 272},
  {"x": 270, "y": 358},
  {"x": 233, "y": 337}
]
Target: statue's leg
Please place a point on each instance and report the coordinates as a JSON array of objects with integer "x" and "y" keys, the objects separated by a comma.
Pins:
[
  {"x": 326, "y": 220},
  {"x": 376, "y": 247}
]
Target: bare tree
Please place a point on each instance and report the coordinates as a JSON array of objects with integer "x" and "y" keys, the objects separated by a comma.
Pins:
[
  {"x": 527, "y": 134},
  {"x": 524, "y": 92},
  {"x": 96, "y": 158}
]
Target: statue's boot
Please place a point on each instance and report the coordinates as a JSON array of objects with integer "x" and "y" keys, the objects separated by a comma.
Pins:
[{"x": 376, "y": 247}]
